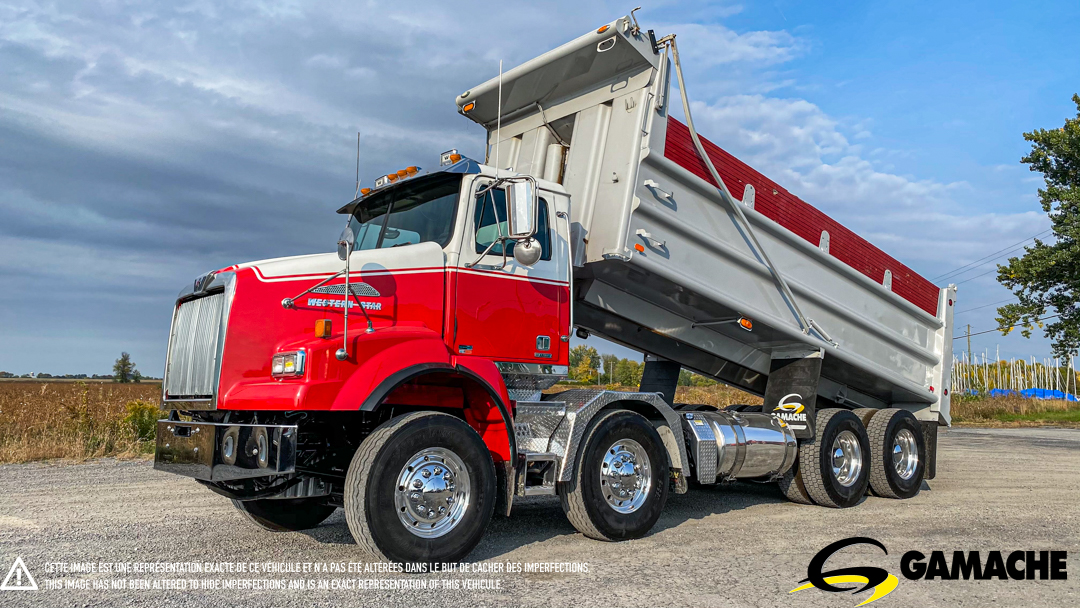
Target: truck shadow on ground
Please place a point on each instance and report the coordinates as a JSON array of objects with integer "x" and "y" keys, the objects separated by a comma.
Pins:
[{"x": 541, "y": 518}]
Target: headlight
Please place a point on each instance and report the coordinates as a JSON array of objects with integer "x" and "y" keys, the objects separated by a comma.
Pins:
[{"x": 288, "y": 364}]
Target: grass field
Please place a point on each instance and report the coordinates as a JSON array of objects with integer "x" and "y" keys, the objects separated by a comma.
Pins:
[
  {"x": 78, "y": 420},
  {"x": 40, "y": 420}
]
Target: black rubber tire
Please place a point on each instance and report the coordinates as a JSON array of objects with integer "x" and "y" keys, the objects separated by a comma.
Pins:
[
  {"x": 882, "y": 430},
  {"x": 793, "y": 488},
  {"x": 286, "y": 514},
  {"x": 370, "y": 485},
  {"x": 582, "y": 498},
  {"x": 865, "y": 414},
  {"x": 815, "y": 460}
]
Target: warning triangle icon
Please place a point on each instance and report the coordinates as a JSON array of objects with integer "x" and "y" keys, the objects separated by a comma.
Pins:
[{"x": 19, "y": 578}]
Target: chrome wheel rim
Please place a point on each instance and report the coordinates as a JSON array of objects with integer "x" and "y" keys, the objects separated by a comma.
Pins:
[
  {"x": 847, "y": 458},
  {"x": 626, "y": 476},
  {"x": 432, "y": 492},
  {"x": 905, "y": 454}
]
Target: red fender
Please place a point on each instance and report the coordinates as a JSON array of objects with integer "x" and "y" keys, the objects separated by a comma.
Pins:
[{"x": 414, "y": 349}]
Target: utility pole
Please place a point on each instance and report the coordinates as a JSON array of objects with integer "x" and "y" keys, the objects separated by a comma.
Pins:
[{"x": 969, "y": 340}]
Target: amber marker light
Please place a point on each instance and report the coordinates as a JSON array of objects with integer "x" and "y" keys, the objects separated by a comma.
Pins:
[
  {"x": 322, "y": 328},
  {"x": 746, "y": 324},
  {"x": 468, "y": 107},
  {"x": 603, "y": 29}
]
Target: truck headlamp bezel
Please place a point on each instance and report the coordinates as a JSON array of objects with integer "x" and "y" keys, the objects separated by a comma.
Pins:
[{"x": 288, "y": 364}]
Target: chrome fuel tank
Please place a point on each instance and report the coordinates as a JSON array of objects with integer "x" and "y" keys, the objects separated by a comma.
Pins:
[{"x": 735, "y": 445}]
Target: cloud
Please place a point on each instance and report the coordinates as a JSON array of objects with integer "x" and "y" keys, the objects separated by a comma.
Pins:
[{"x": 146, "y": 142}]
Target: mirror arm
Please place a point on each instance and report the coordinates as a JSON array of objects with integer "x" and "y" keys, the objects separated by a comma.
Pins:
[{"x": 290, "y": 302}]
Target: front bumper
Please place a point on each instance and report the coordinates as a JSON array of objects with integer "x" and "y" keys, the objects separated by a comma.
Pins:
[{"x": 222, "y": 452}]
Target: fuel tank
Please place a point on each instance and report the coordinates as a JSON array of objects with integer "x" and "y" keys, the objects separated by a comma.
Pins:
[{"x": 724, "y": 445}]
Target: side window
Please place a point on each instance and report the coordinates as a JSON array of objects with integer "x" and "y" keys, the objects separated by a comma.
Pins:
[{"x": 491, "y": 221}]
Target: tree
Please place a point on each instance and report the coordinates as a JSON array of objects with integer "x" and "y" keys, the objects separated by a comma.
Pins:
[
  {"x": 584, "y": 360},
  {"x": 1047, "y": 276},
  {"x": 124, "y": 369},
  {"x": 610, "y": 362},
  {"x": 628, "y": 372}
]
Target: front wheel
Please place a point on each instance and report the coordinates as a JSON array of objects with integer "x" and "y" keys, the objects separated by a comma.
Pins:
[
  {"x": 620, "y": 483},
  {"x": 284, "y": 514},
  {"x": 421, "y": 488}
]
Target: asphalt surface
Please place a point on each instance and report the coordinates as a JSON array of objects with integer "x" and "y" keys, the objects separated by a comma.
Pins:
[{"x": 740, "y": 545}]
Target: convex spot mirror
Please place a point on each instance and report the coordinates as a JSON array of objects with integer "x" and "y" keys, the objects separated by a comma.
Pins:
[
  {"x": 522, "y": 208},
  {"x": 345, "y": 243},
  {"x": 527, "y": 252}
]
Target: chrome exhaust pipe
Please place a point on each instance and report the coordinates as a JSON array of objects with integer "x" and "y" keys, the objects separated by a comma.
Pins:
[{"x": 724, "y": 446}]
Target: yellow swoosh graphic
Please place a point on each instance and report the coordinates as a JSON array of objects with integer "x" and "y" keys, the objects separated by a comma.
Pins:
[{"x": 885, "y": 588}]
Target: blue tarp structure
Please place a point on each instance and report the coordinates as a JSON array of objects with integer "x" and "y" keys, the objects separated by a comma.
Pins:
[{"x": 1034, "y": 393}]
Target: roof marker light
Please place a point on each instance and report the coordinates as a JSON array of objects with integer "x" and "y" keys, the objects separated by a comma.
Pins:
[
  {"x": 603, "y": 29},
  {"x": 468, "y": 107},
  {"x": 449, "y": 157}
]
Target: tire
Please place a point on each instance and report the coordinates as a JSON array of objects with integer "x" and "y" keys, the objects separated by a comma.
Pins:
[
  {"x": 585, "y": 499},
  {"x": 865, "y": 414},
  {"x": 793, "y": 488},
  {"x": 826, "y": 487},
  {"x": 284, "y": 515},
  {"x": 400, "y": 450},
  {"x": 899, "y": 457}
]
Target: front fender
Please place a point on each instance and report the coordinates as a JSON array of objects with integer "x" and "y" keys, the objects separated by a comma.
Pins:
[{"x": 422, "y": 350}]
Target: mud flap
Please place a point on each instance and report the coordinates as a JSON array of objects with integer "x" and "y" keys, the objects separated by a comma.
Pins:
[
  {"x": 660, "y": 376},
  {"x": 791, "y": 391}
]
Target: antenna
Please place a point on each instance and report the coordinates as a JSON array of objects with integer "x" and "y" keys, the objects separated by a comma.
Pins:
[
  {"x": 498, "y": 123},
  {"x": 357, "y": 168}
]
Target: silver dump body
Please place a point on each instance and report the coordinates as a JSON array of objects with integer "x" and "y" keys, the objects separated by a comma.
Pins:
[{"x": 661, "y": 260}]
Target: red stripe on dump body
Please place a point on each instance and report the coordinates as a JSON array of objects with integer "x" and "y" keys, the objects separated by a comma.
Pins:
[{"x": 800, "y": 217}]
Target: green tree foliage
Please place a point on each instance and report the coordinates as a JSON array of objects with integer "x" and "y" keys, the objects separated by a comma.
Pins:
[
  {"x": 124, "y": 370},
  {"x": 1047, "y": 276},
  {"x": 628, "y": 372},
  {"x": 584, "y": 363}
]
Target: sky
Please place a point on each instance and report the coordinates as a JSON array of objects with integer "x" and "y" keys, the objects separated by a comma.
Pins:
[{"x": 145, "y": 143}]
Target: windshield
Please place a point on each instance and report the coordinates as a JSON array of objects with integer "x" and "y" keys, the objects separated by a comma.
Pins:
[{"x": 419, "y": 211}]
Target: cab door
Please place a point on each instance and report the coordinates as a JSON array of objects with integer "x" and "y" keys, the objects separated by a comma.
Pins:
[{"x": 506, "y": 311}]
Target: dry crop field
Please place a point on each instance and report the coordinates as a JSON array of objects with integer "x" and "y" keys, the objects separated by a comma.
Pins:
[{"x": 77, "y": 420}]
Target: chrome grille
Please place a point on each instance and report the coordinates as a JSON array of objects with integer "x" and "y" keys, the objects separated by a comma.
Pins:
[{"x": 194, "y": 348}]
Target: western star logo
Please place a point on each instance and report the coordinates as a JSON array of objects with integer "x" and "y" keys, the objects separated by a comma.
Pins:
[{"x": 327, "y": 303}]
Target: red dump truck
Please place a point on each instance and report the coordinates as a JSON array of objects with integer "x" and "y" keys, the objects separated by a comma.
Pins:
[{"x": 403, "y": 378}]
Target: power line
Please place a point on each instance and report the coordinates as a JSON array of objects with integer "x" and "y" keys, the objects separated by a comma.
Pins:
[
  {"x": 984, "y": 259},
  {"x": 979, "y": 333},
  {"x": 959, "y": 312},
  {"x": 976, "y": 277}
]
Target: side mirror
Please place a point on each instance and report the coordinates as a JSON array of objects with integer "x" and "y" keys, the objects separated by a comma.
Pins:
[
  {"x": 345, "y": 243},
  {"x": 527, "y": 252},
  {"x": 522, "y": 206}
]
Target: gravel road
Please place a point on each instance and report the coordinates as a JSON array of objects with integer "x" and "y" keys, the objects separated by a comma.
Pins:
[{"x": 740, "y": 545}]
